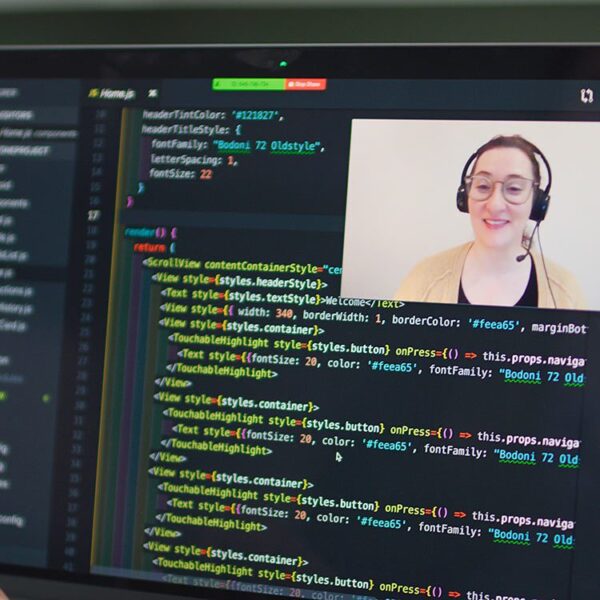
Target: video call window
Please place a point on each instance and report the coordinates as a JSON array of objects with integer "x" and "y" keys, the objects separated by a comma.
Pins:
[{"x": 473, "y": 212}]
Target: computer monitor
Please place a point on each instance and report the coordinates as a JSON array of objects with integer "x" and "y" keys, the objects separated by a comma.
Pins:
[{"x": 311, "y": 322}]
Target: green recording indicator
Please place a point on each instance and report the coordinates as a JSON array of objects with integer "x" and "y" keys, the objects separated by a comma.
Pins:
[{"x": 248, "y": 84}]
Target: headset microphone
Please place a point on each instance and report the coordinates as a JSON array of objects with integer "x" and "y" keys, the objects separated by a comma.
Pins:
[{"x": 528, "y": 244}]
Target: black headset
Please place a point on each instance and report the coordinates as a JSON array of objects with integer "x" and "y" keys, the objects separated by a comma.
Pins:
[{"x": 541, "y": 199}]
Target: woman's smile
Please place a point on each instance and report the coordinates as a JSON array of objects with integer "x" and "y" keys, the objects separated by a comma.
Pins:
[{"x": 494, "y": 224}]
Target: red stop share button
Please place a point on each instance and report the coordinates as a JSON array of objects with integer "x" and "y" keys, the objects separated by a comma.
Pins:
[{"x": 306, "y": 85}]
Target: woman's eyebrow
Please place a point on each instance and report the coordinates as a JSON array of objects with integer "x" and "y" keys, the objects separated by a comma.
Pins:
[{"x": 520, "y": 175}]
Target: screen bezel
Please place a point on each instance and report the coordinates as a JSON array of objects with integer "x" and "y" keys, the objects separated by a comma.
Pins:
[{"x": 411, "y": 61}]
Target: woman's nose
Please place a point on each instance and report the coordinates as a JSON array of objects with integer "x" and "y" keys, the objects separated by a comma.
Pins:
[{"x": 496, "y": 200}]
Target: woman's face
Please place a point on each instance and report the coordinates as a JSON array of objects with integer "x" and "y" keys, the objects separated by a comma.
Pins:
[{"x": 496, "y": 223}]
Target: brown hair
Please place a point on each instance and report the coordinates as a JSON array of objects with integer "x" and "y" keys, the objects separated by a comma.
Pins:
[{"x": 513, "y": 141}]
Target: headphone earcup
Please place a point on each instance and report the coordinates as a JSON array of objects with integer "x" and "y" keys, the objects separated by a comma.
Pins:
[
  {"x": 462, "y": 202},
  {"x": 540, "y": 205}
]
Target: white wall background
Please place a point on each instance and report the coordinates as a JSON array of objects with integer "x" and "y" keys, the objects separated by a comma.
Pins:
[{"x": 402, "y": 197}]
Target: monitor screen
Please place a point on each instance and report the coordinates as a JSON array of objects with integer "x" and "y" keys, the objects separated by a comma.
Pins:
[{"x": 311, "y": 322}]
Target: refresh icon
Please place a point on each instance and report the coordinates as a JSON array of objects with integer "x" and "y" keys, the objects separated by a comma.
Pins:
[{"x": 586, "y": 95}]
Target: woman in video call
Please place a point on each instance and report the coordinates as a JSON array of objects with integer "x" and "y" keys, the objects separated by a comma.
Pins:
[{"x": 501, "y": 190}]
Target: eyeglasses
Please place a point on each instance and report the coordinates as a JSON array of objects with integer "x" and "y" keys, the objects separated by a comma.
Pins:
[{"x": 516, "y": 190}]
